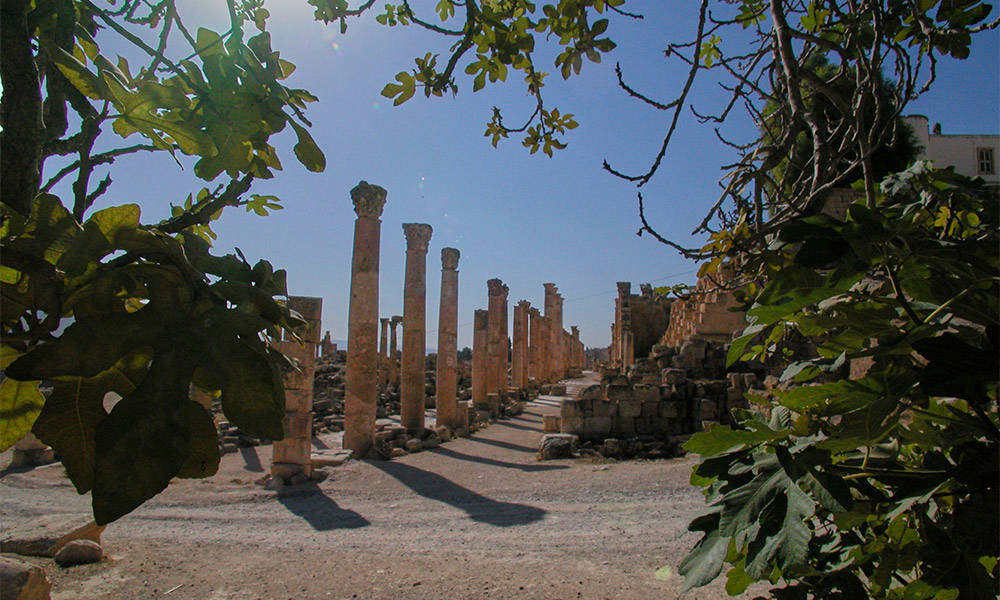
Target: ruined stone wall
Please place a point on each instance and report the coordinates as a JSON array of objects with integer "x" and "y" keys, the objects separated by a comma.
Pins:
[
  {"x": 650, "y": 317},
  {"x": 653, "y": 400},
  {"x": 705, "y": 313}
]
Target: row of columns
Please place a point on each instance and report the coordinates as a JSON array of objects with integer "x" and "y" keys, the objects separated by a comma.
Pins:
[
  {"x": 542, "y": 350},
  {"x": 406, "y": 367}
]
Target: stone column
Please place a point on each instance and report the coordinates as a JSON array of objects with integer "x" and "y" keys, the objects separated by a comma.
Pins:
[
  {"x": 613, "y": 347},
  {"x": 394, "y": 323},
  {"x": 551, "y": 343},
  {"x": 447, "y": 354},
  {"x": 519, "y": 358},
  {"x": 327, "y": 347},
  {"x": 623, "y": 324},
  {"x": 413, "y": 363},
  {"x": 575, "y": 345},
  {"x": 496, "y": 338},
  {"x": 560, "y": 347},
  {"x": 544, "y": 349},
  {"x": 360, "y": 394},
  {"x": 291, "y": 455},
  {"x": 383, "y": 352},
  {"x": 534, "y": 343},
  {"x": 479, "y": 360}
]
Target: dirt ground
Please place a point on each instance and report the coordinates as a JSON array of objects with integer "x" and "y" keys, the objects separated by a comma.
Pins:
[{"x": 479, "y": 517}]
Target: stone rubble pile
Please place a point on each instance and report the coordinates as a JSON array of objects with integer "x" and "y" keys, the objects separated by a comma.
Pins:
[{"x": 653, "y": 407}]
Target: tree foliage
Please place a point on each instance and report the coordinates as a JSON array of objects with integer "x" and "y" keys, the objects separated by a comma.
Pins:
[
  {"x": 494, "y": 40},
  {"x": 883, "y": 485},
  {"x": 97, "y": 302}
]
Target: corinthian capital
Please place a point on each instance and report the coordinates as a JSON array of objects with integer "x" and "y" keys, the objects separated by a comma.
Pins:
[
  {"x": 449, "y": 258},
  {"x": 368, "y": 199},
  {"x": 496, "y": 287},
  {"x": 417, "y": 236}
]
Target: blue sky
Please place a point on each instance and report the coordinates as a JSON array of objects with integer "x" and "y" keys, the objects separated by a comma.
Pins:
[{"x": 525, "y": 219}]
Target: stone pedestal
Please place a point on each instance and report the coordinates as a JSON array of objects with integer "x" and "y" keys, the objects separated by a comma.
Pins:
[
  {"x": 446, "y": 378},
  {"x": 291, "y": 455},
  {"x": 496, "y": 338},
  {"x": 479, "y": 360},
  {"x": 412, "y": 363},
  {"x": 360, "y": 394}
]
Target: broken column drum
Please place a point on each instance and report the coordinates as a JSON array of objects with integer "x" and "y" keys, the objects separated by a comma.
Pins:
[
  {"x": 446, "y": 377},
  {"x": 362, "y": 331},
  {"x": 291, "y": 454},
  {"x": 412, "y": 364}
]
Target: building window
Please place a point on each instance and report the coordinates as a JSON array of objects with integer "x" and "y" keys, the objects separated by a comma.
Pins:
[{"x": 984, "y": 158}]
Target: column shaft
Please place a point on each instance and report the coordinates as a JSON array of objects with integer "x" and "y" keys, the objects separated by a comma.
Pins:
[
  {"x": 447, "y": 354},
  {"x": 519, "y": 362},
  {"x": 479, "y": 360},
  {"x": 413, "y": 362},
  {"x": 362, "y": 329},
  {"x": 496, "y": 381}
]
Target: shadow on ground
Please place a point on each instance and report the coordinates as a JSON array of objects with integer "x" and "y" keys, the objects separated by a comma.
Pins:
[
  {"x": 496, "y": 463},
  {"x": 319, "y": 510},
  {"x": 507, "y": 445},
  {"x": 252, "y": 460},
  {"x": 476, "y": 506}
]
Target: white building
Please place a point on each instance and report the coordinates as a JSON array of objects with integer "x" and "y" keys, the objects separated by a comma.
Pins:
[{"x": 971, "y": 155}]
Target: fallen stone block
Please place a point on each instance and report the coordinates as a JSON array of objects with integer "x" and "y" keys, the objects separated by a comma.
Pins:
[
  {"x": 557, "y": 445},
  {"x": 46, "y": 534},
  {"x": 330, "y": 458},
  {"x": 22, "y": 581},
  {"x": 557, "y": 389}
]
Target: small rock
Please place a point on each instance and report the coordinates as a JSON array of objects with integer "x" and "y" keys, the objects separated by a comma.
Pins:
[
  {"x": 298, "y": 478},
  {"x": 78, "y": 552},
  {"x": 414, "y": 445},
  {"x": 274, "y": 484},
  {"x": 21, "y": 581},
  {"x": 319, "y": 475},
  {"x": 383, "y": 450},
  {"x": 398, "y": 452},
  {"x": 432, "y": 441}
]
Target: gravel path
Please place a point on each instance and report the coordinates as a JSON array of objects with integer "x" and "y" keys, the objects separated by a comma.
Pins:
[{"x": 479, "y": 517}]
